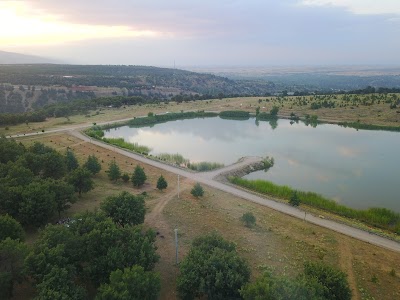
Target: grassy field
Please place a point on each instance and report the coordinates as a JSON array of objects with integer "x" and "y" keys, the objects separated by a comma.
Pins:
[
  {"x": 366, "y": 109},
  {"x": 278, "y": 242}
]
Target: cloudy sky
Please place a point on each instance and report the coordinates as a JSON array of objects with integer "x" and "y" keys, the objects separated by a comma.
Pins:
[{"x": 204, "y": 32}]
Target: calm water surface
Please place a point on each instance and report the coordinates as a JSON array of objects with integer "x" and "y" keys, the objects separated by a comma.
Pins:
[{"x": 360, "y": 169}]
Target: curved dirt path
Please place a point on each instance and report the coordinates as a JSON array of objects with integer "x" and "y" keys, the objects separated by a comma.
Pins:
[{"x": 281, "y": 207}]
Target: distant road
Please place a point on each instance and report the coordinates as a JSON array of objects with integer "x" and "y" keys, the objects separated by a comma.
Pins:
[{"x": 207, "y": 178}]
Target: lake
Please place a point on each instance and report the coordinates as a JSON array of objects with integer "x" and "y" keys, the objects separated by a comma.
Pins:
[{"x": 360, "y": 169}]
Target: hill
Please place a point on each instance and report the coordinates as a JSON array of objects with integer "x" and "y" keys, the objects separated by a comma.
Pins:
[{"x": 17, "y": 58}]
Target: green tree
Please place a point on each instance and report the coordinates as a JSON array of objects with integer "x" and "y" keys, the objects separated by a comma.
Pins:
[
  {"x": 125, "y": 209},
  {"x": 282, "y": 288},
  {"x": 138, "y": 177},
  {"x": 71, "y": 161},
  {"x": 294, "y": 199},
  {"x": 114, "y": 172},
  {"x": 334, "y": 281},
  {"x": 93, "y": 164},
  {"x": 161, "y": 183},
  {"x": 132, "y": 283},
  {"x": 10, "y": 228},
  {"x": 81, "y": 180},
  {"x": 12, "y": 256},
  {"x": 52, "y": 165},
  {"x": 197, "y": 190},
  {"x": 64, "y": 194},
  {"x": 274, "y": 111},
  {"x": 213, "y": 269},
  {"x": 10, "y": 150},
  {"x": 37, "y": 204},
  {"x": 248, "y": 219},
  {"x": 59, "y": 284}
]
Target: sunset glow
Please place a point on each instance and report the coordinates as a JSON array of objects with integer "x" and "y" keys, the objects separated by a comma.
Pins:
[{"x": 24, "y": 27}]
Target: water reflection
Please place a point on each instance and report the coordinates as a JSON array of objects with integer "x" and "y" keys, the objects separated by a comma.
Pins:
[{"x": 357, "y": 167}]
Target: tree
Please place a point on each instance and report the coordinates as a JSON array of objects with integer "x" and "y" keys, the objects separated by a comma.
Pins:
[
  {"x": 138, "y": 177},
  {"x": 334, "y": 281},
  {"x": 213, "y": 269},
  {"x": 81, "y": 180},
  {"x": 125, "y": 209},
  {"x": 58, "y": 284},
  {"x": 197, "y": 190},
  {"x": 12, "y": 256},
  {"x": 37, "y": 204},
  {"x": 71, "y": 161},
  {"x": 131, "y": 283},
  {"x": 114, "y": 172},
  {"x": 162, "y": 183},
  {"x": 93, "y": 164},
  {"x": 274, "y": 111},
  {"x": 64, "y": 195},
  {"x": 52, "y": 165},
  {"x": 248, "y": 219},
  {"x": 10, "y": 228},
  {"x": 294, "y": 199},
  {"x": 10, "y": 150}
]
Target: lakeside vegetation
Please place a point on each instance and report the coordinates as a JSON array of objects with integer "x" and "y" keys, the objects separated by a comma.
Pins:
[
  {"x": 234, "y": 115},
  {"x": 379, "y": 217},
  {"x": 120, "y": 142}
]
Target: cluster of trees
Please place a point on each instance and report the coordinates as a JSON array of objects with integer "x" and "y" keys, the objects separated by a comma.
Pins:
[
  {"x": 38, "y": 181},
  {"x": 138, "y": 177},
  {"x": 107, "y": 250},
  {"x": 213, "y": 269}
]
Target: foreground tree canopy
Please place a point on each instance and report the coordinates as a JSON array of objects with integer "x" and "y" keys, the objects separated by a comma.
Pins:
[
  {"x": 125, "y": 209},
  {"x": 213, "y": 269},
  {"x": 318, "y": 282},
  {"x": 33, "y": 182},
  {"x": 90, "y": 248}
]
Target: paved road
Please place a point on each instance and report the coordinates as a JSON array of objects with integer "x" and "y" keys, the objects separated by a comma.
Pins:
[{"x": 207, "y": 179}]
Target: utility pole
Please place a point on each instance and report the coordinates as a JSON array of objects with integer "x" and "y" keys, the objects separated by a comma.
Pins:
[
  {"x": 176, "y": 246},
  {"x": 178, "y": 187}
]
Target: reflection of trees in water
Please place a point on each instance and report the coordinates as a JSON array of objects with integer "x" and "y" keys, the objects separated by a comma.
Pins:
[{"x": 273, "y": 123}]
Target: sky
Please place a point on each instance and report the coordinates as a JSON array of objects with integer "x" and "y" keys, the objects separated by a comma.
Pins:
[{"x": 205, "y": 32}]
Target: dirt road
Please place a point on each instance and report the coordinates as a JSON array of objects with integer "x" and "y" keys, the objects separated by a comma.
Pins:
[{"x": 207, "y": 179}]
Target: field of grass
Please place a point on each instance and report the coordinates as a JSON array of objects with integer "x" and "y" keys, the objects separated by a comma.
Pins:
[
  {"x": 278, "y": 242},
  {"x": 365, "y": 109}
]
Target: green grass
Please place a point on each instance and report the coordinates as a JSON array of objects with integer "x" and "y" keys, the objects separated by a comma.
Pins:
[
  {"x": 173, "y": 158},
  {"x": 120, "y": 142},
  {"x": 378, "y": 217},
  {"x": 204, "y": 166}
]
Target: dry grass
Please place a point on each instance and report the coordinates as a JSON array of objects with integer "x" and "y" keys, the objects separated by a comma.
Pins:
[
  {"x": 379, "y": 114},
  {"x": 278, "y": 242}
]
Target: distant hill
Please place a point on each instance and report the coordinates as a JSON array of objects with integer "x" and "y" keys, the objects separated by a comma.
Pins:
[{"x": 17, "y": 58}]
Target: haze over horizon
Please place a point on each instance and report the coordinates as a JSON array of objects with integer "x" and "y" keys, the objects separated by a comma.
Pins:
[{"x": 204, "y": 33}]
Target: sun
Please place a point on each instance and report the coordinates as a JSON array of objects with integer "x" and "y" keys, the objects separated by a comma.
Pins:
[{"x": 21, "y": 25}]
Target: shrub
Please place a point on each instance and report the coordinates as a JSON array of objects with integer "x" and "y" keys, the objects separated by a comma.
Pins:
[
  {"x": 248, "y": 219},
  {"x": 197, "y": 190}
]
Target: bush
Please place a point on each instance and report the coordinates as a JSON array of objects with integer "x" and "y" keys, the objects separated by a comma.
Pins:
[
  {"x": 197, "y": 190},
  {"x": 294, "y": 199},
  {"x": 248, "y": 219}
]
